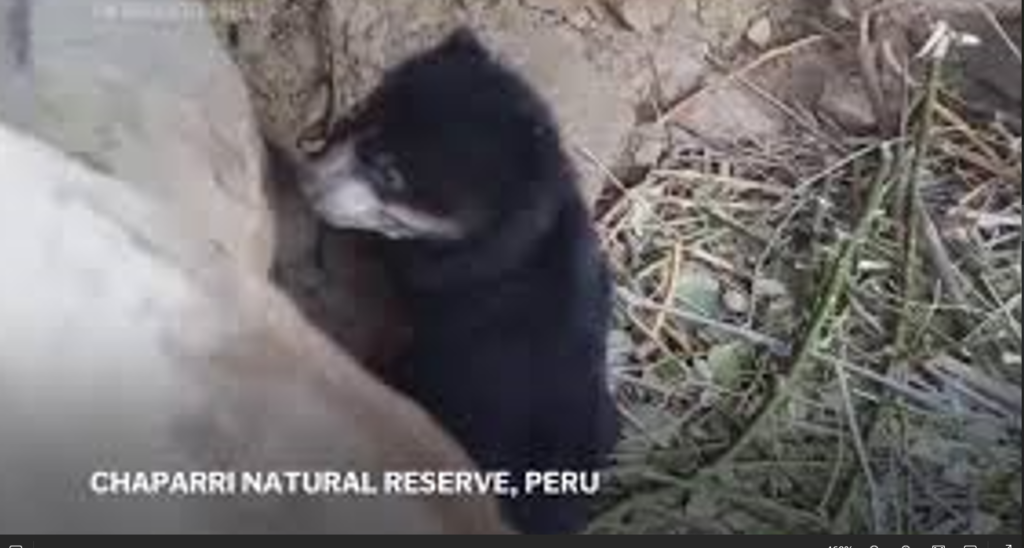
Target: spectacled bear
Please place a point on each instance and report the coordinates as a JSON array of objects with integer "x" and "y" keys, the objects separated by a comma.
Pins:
[{"x": 458, "y": 165}]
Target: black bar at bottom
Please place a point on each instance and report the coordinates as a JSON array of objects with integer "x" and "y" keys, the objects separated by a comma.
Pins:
[{"x": 745, "y": 541}]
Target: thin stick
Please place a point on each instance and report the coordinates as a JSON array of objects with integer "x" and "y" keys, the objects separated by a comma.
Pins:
[
  {"x": 867, "y": 56},
  {"x": 950, "y": 275},
  {"x": 803, "y": 189},
  {"x": 958, "y": 123},
  {"x": 740, "y": 184},
  {"x": 792, "y": 515},
  {"x": 904, "y": 391},
  {"x": 679, "y": 108},
  {"x": 858, "y": 439},
  {"x": 909, "y": 196},
  {"x": 825, "y": 311},
  {"x": 773, "y": 345},
  {"x": 671, "y": 288},
  {"x": 1000, "y": 30}
]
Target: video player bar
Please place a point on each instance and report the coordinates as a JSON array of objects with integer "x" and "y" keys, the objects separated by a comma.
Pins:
[{"x": 691, "y": 541}]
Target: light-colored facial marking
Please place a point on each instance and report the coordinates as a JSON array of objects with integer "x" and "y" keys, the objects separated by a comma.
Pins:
[
  {"x": 420, "y": 224},
  {"x": 345, "y": 200}
]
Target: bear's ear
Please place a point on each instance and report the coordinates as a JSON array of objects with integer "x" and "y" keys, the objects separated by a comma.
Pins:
[{"x": 463, "y": 41}]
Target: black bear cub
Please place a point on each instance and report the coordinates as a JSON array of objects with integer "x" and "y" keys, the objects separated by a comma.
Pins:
[{"x": 459, "y": 167}]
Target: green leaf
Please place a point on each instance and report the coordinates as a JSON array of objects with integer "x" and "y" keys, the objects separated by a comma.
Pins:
[
  {"x": 729, "y": 363},
  {"x": 701, "y": 293}
]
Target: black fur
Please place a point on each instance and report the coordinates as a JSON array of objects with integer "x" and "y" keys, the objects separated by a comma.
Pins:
[{"x": 510, "y": 322}]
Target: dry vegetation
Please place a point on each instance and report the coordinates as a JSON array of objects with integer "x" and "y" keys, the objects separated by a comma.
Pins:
[{"x": 823, "y": 333}]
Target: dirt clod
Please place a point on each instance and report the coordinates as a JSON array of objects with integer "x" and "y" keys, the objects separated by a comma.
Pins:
[{"x": 643, "y": 17}]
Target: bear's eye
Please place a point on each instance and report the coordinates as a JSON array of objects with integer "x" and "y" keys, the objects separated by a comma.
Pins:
[{"x": 387, "y": 177}]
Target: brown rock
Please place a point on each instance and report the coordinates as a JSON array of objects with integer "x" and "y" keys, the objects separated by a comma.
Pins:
[
  {"x": 846, "y": 101},
  {"x": 643, "y": 16},
  {"x": 761, "y": 32},
  {"x": 728, "y": 114}
]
